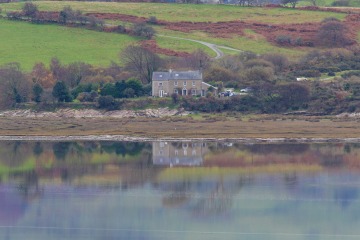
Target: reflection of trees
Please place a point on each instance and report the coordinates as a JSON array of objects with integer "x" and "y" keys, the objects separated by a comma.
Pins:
[
  {"x": 61, "y": 149},
  {"x": 290, "y": 180},
  {"x": 29, "y": 186},
  {"x": 217, "y": 202},
  {"x": 38, "y": 149},
  {"x": 332, "y": 161},
  {"x": 204, "y": 197},
  {"x": 13, "y": 154},
  {"x": 122, "y": 148},
  {"x": 283, "y": 148}
]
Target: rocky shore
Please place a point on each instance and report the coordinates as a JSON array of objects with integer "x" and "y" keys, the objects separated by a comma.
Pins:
[
  {"x": 92, "y": 113},
  {"x": 170, "y": 139}
]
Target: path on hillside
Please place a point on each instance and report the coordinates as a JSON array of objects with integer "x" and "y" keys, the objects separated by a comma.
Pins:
[{"x": 212, "y": 46}]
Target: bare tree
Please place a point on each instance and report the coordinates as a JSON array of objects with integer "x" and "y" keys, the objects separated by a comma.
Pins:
[
  {"x": 14, "y": 85},
  {"x": 198, "y": 60},
  {"x": 332, "y": 33},
  {"x": 141, "y": 61}
]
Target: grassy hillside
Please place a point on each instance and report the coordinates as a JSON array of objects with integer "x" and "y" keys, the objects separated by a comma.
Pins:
[
  {"x": 188, "y": 12},
  {"x": 34, "y": 43}
]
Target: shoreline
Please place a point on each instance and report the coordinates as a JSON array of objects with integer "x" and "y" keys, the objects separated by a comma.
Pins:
[{"x": 172, "y": 139}]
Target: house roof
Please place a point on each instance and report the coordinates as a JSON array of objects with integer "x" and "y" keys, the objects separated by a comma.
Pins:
[{"x": 176, "y": 75}]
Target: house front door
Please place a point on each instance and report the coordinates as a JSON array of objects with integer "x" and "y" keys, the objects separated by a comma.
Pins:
[
  {"x": 161, "y": 93},
  {"x": 184, "y": 92}
]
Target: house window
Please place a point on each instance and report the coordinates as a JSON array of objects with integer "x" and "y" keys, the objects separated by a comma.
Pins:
[
  {"x": 193, "y": 83},
  {"x": 193, "y": 92},
  {"x": 175, "y": 83},
  {"x": 176, "y": 91},
  {"x": 160, "y": 84},
  {"x": 185, "y": 83}
]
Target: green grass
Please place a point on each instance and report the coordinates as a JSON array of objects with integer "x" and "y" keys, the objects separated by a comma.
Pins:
[
  {"x": 188, "y": 12},
  {"x": 182, "y": 45},
  {"x": 30, "y": 43},
  {"x": 259, "y": 46}
]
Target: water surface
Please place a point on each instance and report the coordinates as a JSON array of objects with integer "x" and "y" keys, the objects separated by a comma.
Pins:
[{"x": 179, "y": 190}]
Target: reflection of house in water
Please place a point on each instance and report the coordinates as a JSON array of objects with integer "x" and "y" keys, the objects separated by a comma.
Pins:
[{"x": 179, "y": 153}]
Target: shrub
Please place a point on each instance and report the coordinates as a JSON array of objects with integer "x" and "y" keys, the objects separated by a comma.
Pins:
[
  {"x": 152, "y": 20},
  {"x": 108, "y": 103},
  {"x": 120, "y": 29},
  {"x": 331, "y": 74},
  {"x": 340, "y": 3},
  {"x": 142, "y": 30},
  {"x": 283, "y": 40},
  {"x": 30, "y": 10}
]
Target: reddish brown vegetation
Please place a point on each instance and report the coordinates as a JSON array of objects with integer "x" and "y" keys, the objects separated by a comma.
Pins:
[
  {"x": 152, "y": 46},
  {"x": 306, "y": 32}
]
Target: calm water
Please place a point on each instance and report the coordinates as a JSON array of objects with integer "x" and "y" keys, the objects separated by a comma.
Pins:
[{"x": 172, "y": 190}]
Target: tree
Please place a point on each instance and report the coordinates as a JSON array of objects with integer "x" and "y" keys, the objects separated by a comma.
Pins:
[
  {"x": 14, "y": 85},
  {"x": 30, "y": 10},
  {"x": 141, "y": 61},
  {"x": 142, "y": 30},
  {"x": 279, "y": 61},
  {"x": 37, "y": 91},
  {"x": 198, "y": 60},
  {"x": 40, "y": 74},
  {"x": 293, "y": 3},
  {"x": 66, "y": 15},
  {"x": 332, "y": 33},
  {"x": 61, "y": 92}
]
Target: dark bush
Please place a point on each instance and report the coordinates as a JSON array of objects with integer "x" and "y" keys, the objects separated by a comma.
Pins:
[
  {"x": 108, "y": 103},
  {"x": 142, "y": 30},
  {"x": 152, "y": 20},
  {"x": 341, "y": 3},
  {"x": 331, "y": 74},
  {"x": 283, "y": 40}
]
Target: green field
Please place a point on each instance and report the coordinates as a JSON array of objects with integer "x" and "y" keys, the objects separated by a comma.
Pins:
[
  {"x": 188, "y": 12},
  {"x": 30, "y": 43}
]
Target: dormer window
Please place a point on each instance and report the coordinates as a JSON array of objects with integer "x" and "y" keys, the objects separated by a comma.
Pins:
[
  {"x": 176, "y": 75},
  {"x": 160, "y": 76}
]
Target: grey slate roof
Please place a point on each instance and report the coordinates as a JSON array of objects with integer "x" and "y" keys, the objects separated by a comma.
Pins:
[{"x": 176, "y": 75}]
